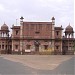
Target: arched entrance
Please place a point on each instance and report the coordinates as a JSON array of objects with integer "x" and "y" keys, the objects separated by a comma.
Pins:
[
  {"x": 65, "y": 49},
  {"x": 64, "y": 52},
  {"x": 36, "y": 48},
  {"x": 36, "y": 43}
]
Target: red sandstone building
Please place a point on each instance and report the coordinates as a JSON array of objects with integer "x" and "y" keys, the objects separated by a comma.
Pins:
[{"x": 36, "y": 38}]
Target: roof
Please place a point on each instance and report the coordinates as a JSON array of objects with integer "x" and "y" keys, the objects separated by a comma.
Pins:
[
  {"x": 4, "y": 27},
  {"x": 15, "y": 27},
  {"x": 69, "y": 29},
  {"x": 53, "y": 18},
  {"x": 22, "y": 17},
  {"x": 34, "y": 23},
  {"x": 58, "y": 28}
]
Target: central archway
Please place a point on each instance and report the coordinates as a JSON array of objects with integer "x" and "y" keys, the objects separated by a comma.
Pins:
[{"x": 36, "y": 43}]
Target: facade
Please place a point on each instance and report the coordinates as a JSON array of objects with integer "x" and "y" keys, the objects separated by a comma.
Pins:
[
  {"x": 68, "y": 41},
  {"x": 36, "y": 38}
]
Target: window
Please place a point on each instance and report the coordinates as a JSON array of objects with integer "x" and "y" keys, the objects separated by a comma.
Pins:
[
  {"x": 6, "y": 46},
  {"x": 16, "y": 32},
  {"x": 28, "y": 46},
  {"x": 16, "y": 46},
  {"x": 57, "y": 47},
  {"x": 57, "y": 32},
  {"x": 10, "y": 46},
  {"x": 37, "y": 32},
  {"x": 2, "y": 46},
  {"x": 70, "y": 48},
  {"x": 2, "y": 42},
  {"x": 45, "y": 46}
]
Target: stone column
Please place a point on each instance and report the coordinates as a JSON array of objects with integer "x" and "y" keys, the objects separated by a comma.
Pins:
[
  {"x": 72, "y": 35},
  {"x": 68, "y": 35},
  {"x": 61, "y": 46},
  {"x": 21, "y": 34},
  {"x": 53, "y": 36},
  {"x": 21, "y": 38},
  {"x": 65, "y": 35},
  {"x": 12, "y": 45}
]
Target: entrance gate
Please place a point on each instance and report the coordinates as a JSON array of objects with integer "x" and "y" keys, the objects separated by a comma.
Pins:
[{"x": 36, "y": 43}]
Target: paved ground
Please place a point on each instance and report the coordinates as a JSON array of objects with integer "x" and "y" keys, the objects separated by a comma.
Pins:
[
  {"x": 36, "y": 65},
  {"x": 13, "y": 68}
]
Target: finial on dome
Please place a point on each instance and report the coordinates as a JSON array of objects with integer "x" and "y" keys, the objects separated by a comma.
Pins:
[
  {"x": 53, "y": 18},
  {"x": 21, "y": 18}
]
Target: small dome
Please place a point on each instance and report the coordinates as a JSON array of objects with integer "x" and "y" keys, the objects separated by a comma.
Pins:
[
  {"x": 69, "y": 29},
  {"x": 4, "y": 27},
  {"x": 53, "y": 18},
  {"x": 21, "y": 18}
]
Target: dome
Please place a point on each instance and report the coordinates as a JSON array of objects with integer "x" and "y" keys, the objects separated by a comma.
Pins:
[
  {"x": 4, "y": 27},
  {"x": 21, "y": 18},
  {"x": 53, "y": 18},
  {"x": 69, "y": 29}
]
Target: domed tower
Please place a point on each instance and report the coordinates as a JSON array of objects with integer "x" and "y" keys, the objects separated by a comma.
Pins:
[
  {"x": 69, "y": 33},
  {"x": 53, "y": 20},
  {"x": 4, "y": 30}
]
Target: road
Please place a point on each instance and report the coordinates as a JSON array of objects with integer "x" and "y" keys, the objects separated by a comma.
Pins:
[{"x": 8, "y": 67}]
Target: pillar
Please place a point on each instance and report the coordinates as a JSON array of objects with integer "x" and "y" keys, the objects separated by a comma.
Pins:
[
  {"x": 53, "y": 36},
  {"x": 69, "y": 35},
  {"x": 65, "y": 35},
  {"x": 72, "y": 35},
  {"x": 21, "y": 34},
  {"x": 12, "y": 45}
]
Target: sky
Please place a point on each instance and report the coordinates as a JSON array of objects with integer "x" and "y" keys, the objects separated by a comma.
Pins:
[{"x": 37, "y": 10}]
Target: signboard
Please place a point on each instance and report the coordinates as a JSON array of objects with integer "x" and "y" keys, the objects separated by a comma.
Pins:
[{"x": 27, "y": 50}]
